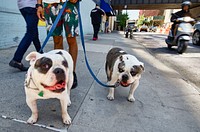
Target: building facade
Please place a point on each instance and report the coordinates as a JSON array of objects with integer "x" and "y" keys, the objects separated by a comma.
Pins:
[{"x": 13, "y": 27}]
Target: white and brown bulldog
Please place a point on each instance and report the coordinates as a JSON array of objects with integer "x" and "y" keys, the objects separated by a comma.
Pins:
[
  {"x": 50, "y": 76},
  {"x": 124, "y": 69}
]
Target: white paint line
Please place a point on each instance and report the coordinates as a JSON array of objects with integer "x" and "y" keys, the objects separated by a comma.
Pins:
[{"x": 38, "y": 125}]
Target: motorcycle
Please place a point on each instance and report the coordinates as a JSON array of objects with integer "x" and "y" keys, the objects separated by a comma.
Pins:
[{"x": 183, "y": 34}]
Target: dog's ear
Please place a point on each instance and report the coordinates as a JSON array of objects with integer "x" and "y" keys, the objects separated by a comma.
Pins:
[
  {"x": 32, "y": 56},
  {"x": 142, "y": 65}
]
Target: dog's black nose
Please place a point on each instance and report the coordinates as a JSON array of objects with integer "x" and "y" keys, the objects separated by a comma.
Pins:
[
  {"x": 60, "y": 74},
  {"x": 124, "y": 78},
  {"x": 58, "y": 71}
]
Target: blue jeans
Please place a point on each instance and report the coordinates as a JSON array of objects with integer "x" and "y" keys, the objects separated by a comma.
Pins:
[{"x": 31, "y": 35}]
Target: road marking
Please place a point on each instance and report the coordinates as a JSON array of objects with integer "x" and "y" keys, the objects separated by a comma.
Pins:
[{"x": 38, "y": 125}]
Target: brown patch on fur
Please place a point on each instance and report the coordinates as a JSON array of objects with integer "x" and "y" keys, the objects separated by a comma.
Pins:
[{"x": 137, "y": 69}]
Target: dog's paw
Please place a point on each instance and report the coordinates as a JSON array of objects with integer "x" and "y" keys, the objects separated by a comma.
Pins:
[
  {"x": 131, "y": 99},
  {"x": 69, "y": 103},
  {"x": 109, "y": 97},
  {"x": 32, "y": 120},
  {"x": 66, "y": 119}
]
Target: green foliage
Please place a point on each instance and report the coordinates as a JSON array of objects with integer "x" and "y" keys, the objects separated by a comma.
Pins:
[
  {"x": 141, "y": 20},
  {"x": 122, "y": 18}
]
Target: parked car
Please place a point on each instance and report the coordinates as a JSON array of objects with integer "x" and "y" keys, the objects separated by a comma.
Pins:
[
  {"x": 196, "y": 34},
  {"x": 153, "y": 29},
  {"x": 144, "y": 28}
]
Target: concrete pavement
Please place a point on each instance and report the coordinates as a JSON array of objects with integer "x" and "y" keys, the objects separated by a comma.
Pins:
[{"x": 165, "y": 102}]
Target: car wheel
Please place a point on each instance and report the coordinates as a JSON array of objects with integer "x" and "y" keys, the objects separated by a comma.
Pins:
[{"x": 196, "y": 38}]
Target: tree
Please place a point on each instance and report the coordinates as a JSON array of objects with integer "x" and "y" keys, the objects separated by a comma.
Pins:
[
  {"x": 141, "y": 20},
  {"x": 122, "y": 18}
]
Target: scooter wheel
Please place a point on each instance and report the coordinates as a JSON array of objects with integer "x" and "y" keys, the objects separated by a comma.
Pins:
[{"x": 182, "y": 46}]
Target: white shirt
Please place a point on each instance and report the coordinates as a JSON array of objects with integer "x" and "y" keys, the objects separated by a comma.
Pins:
[
  {"x": 52, "y": 1},
  {"x": 26, "y": 3}
]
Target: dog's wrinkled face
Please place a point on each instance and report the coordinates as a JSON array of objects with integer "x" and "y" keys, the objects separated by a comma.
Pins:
[
  {"x": 127, "y": 71},
  {"x": 50, "y": 70}
]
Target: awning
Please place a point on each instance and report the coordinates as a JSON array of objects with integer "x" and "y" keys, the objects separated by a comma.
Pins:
[{"x": 104, "y": 5}]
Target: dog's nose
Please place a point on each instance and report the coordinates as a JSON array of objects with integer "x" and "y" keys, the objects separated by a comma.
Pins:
[
  {"x": 124, "y": 77},
  {"x": 58, "y": 71}
]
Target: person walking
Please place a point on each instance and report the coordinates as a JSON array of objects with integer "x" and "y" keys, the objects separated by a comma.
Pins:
[
  {"x": 96, "y": 15},
  {"x": 29, "y": 13},
  {"x": 69, "y": 20}
]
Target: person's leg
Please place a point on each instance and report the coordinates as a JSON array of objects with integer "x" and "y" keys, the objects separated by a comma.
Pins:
[
  {"x": 175, "y": 29},
  {"x": 28, "y": 13},
  {"x": 70, "y": 18},
  {"x": 58, "y": 42},
  {"x": 73, "y": 49},
  {"x": 95, "y": 26},
  {"x": 31, "y": 32},
  {"x": 36, "y": 40}
]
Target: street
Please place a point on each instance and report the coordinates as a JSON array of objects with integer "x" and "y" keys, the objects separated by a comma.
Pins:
[
  {"x": 186, "y": 64},
  {"x": 166, "y": 100}
]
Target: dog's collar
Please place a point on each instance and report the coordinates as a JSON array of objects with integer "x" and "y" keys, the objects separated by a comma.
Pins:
[{"x": 27, "y": 84}]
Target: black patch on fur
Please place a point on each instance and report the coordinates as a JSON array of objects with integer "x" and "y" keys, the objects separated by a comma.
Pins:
[
  {"x": 137, "y": 69},
  {"x": 65, "y": 63},
  {"x": 60, "y": 53},
  {"x": 43, "y": 64},
  {"x": 121, "y": 66},
  {"x": 111, "y": 57}
]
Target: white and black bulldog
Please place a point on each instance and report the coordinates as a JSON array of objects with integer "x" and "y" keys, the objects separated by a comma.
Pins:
[
  {"x": 123, "y": 69},
  {"x": 50, "y": 76}
]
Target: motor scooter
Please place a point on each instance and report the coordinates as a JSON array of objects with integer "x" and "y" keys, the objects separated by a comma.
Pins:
[{"x": 183, "y": 34}]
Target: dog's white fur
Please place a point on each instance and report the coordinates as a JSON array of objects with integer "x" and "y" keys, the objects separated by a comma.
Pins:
[
  {"x": 116, "y": 76},
  {"x": 36, "y": 78}
]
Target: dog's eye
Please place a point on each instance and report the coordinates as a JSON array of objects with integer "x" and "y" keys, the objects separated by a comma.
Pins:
[
  {"x": 45, "y": 66},
  {"x": 121, "y": 70},
  {"x": 133, "y": 73}
]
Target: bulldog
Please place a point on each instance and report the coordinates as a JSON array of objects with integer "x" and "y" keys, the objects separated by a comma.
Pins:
[
  {"x": 50, "y": 75},
  {"x": 122, "y": 69}
]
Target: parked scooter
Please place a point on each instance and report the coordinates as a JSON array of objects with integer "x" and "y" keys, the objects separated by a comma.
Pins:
[{"x": 183, "y": 34}]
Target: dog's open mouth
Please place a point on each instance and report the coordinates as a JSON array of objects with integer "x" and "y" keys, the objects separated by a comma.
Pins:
[
  {"x": 124, "y": 84},
  {"x": 58, "y": 87}
]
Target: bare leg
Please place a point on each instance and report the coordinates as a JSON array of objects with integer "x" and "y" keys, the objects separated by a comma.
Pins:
[
  {"x": 58, "y": 42},
  {"x": 33, "y": 106},
  {"x": 73, "y": 49}
]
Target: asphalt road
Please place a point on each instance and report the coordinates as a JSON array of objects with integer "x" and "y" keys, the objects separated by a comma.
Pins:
[{"x": 186, "y": 64}]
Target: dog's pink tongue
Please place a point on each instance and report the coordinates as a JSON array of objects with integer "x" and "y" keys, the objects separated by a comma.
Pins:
[{"x": 56, "y": 87}]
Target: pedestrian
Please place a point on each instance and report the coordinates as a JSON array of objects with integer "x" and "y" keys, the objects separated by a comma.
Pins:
[
  {"x": 29, "y": 13},
  {"x": 69, "y": 20},
  {"x": 96, "y": 15},
  {"x": 107, "y": 26}
]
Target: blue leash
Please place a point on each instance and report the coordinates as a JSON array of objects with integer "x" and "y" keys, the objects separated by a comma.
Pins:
[{"x": 82, "y": 41}]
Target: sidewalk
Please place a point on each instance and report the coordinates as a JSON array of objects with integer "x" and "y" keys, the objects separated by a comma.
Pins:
[{"x": 164, "y": 101}]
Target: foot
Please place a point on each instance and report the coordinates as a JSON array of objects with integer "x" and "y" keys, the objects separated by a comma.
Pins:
[
  {"x": 18, "y": 65},
  {"x": 75, "y": 83},
  {"x": 94, "y": 39}
]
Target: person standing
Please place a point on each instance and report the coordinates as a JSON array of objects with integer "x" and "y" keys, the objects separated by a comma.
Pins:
[
  {"x": 69, "y": 20},
  {"x": 96, "y": 15},
  {"x": 29, "y": 13}
]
